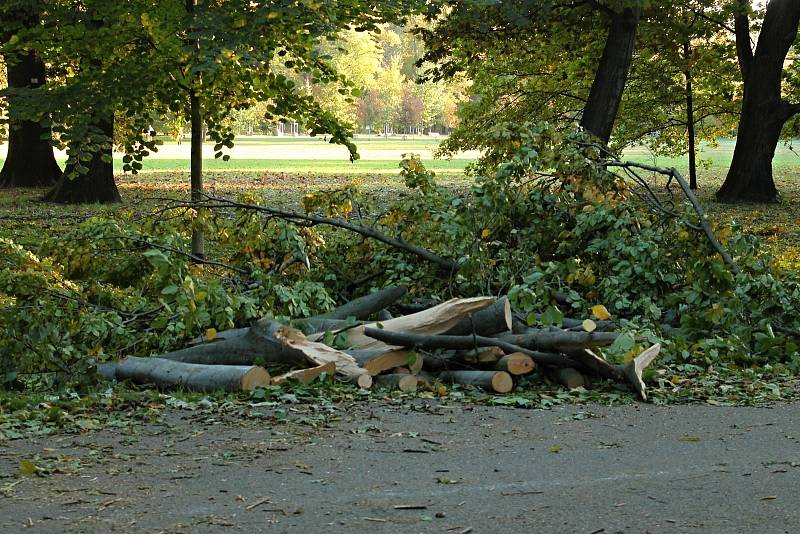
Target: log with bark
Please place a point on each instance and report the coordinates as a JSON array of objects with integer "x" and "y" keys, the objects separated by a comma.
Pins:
[
  {"x": 361, "y": 308},
  {"x": 432, "y": 342},
  {"x": 516, "y": 363},
  {"x": 194, "y": 377},
  {"x": 432, "y": 321},
  {"x": 406, "y": 383},
  {"x": 497, "y": 381},
  {"x": 558, "y": 340}
]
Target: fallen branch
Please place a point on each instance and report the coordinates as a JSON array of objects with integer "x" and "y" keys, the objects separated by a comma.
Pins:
[
  {"x": 698, "y": 208},
  {"x": 313, "y": 220},
  {"x": 432, "y": 342},
  {"x": 361, "y": 308}
]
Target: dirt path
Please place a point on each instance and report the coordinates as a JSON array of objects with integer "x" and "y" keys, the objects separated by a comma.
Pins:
[{"x": 572, "y": 469}]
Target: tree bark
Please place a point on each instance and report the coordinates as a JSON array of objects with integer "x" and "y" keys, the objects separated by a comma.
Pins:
[
  {"x": 194, "y": 377},
  {"x": 600, "y": 111},
  {"x": 97, "y": 185},
  {"x": 764, "y": 112},
  {"x": 687, "y": 51},
  {"x": 30, "y": 161}
]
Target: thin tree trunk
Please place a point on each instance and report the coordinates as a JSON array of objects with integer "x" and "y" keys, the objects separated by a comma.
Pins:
[
  {"x": 30, "y": 161},
  {"x": 687, "y": 50},
  {"x": 196, "y": 154},
  {"x": 198, "y": 239},
  {"x": 97, "y": 185},
  {"x": 605, "y": 96},
  {"x": 764, "y": 112}
]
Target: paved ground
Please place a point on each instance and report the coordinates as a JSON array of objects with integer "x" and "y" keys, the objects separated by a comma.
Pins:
[{"x": 419, "y": 467}]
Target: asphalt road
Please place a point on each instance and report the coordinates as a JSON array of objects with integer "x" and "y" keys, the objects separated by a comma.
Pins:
[{"x": 420, "y": 467}]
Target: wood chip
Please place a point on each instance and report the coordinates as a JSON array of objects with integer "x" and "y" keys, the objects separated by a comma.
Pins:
[
  {"x": 410, "y": 507},
  {"x": 375, "y": 519}
]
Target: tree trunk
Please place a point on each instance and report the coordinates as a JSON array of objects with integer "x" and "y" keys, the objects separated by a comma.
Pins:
[
  {"x": 608, "y": 86},
  {"x": 764, "y": 112},
  {"x": 30, "y": 161},
  {"x": 97, "y": 185},
  {"x": 687, "y": 50},
  {"x": 198, "y": 239}
]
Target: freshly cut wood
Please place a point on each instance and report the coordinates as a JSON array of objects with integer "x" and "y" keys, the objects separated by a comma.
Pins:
[
  {"x": 318, "y": 353},
  {"x": 570, "y": 378},
  {"x": 559, "y": 340},
  {"x": 376, "y": 362},
  {"x": 497, "y": 381},
  {"x": 633, "y": 371},
  {"x": 306, "y": 376},
  {"x": 630, "y": 373},
  {"x": 486, "y": 322},
  {"x": 364, "y": 380},
  {"x": 362, "y": 307},
  {"x": 591, "y": 363},
  {"x": 481, "y": 355},
  {"x": 404, "y": 382},
  {"x": 516, "y": 363},
  {"x": 194, "y": 377},
  {"x": 403, "y": 339},
  {"x": 416, "y": 362},
  {"x": 432, "y": 321}
]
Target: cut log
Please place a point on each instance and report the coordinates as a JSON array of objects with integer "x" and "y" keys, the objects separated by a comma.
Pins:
[
  {"x": 404, "y": 382},
  {"x": 364, "y": 380},
  {"x": 362, "y": 307},
  {"x": 559, "y": 340},
  {"x": 306, "y": 376},
  {"x": 314, "y": 325},
  {"x": 497, "y": 381},
  {"x": 433, "y": 342},
  {"x": 318, "y": 353},
  {"x": 269, "y": 341},
  {"x": 481, "y": 355},
  {"x": 516, "y": 363},
  {"x": 494, "y": 319},
  {"x": 376, "y": 362},
  {"x": 433, "y": 321},
  {"x": 194, "y": 377},
  {"x": 569, "y": 378}
]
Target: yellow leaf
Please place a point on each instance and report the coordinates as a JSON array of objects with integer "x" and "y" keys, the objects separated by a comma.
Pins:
[
  {"x": 27, "y": 468},
  {"x": 589, "y": 325},
  {"x": 600, "y": 312},
  {"x": 485, "y": 233},
  {"x": 211, "y": 333}
]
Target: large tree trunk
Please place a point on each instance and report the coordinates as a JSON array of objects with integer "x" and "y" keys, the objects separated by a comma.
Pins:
[
  {"x": 97, "y": 185},
  {"x": 764, "y": 112},
  {"x": 30, "y": 161},
  {"x": 608, "y": 86}
]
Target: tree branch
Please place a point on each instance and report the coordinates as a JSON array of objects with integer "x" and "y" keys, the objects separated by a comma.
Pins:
[{"x": 313, "y": 220}]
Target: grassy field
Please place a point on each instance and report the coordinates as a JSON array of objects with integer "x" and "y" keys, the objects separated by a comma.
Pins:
[{"x": 284, "y": 168}]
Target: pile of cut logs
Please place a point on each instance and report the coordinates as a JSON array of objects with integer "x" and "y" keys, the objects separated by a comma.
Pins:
[{"x": 475, "y": 341}]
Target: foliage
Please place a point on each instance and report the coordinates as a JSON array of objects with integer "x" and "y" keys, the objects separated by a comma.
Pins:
[
  {"x": 536, "y": 61},
  {"x": 544, "y": 222}
]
